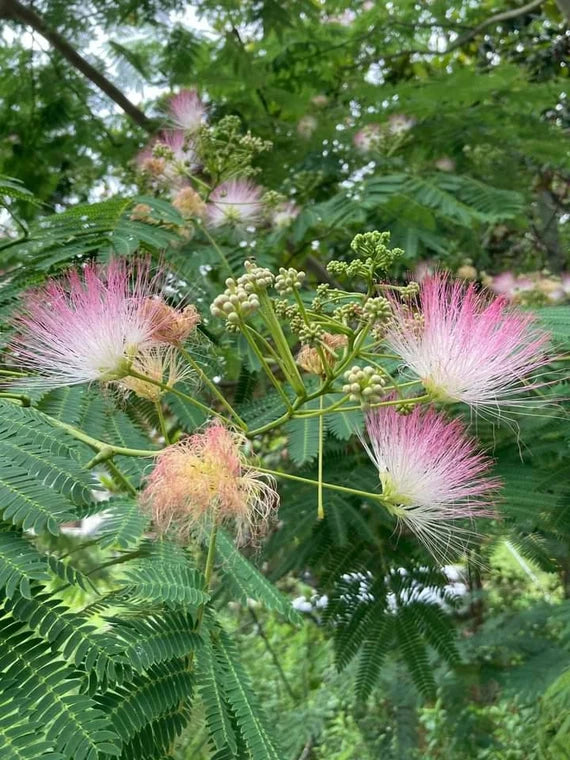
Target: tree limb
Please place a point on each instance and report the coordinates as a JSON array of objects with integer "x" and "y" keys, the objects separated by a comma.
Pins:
[{"x": 14, "y": 10}]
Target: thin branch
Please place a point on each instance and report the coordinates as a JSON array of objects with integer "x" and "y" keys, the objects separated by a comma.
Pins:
[{"x": 14, "y": 10}]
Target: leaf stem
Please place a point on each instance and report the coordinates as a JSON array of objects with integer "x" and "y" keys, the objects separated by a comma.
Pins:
[
  {"x": 211, "y": 386},
  {"x": 330, "y": 486},
  {"x": 176, "y": 392},
  {"x": 320, "y": 505},
  {"x": 162, "y": 421},
  {"x": 218, "y": 250}
]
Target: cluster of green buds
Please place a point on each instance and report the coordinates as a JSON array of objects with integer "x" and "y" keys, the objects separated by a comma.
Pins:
[
  {"x": 234, "y": 304},
  {"x": 410, "y": 290},
  {"x": 226, "y": 151},
  {"x": 241, "y": 296},
  {"x": 376, "y": 311},
  {"x": 374, "y": 247},
  {"x": 288, "y": 280},
  {"x": 364, "y": 385},
  {"x": 374, "y": 255},
  {"x": 256, "y": 279}
]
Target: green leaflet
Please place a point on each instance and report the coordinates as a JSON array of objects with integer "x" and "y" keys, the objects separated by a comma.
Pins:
[{"x": 248, "y": 582}]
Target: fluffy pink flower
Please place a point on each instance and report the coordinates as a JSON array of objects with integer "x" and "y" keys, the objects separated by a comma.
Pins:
[
  {"x": 431, "y": 474},
  {"x": 182, "y": 148},
  {"x": 503, "y": 284},
  {"x": 88, "y": 325},
  {"x": 398, "y": 123},
  {"x": 367, "y": 138},
  {"x": 206, "y": 479},
  {"x": 237, "y": 201},
  {"x": 187, "y": 110},
  {"x": 285, "y": 214},
  {"x": 466, "y": 346}
]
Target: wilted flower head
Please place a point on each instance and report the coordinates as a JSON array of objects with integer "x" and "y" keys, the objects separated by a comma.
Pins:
[
  {"x": 367, "y": 138},
  {"x": 189, "y": 203},
  {"x": 88, "y": 325},
  {"x": 306, "y": 126},
  {"x": 467, "y": 346},
  {"x": 169, "y": 325},
  {"x": 158, "y": 363},
  {"x": 320, "y": 101},
  {"x": 445, "y": 164},
  {"x": 284, "y": 214},
  {"x": 398, "y": 123},
  {"x": 431, "y": 474},
  {"x": 187, "y": 110},
  {"x": 237, "y": 202},
  {"x": 204, "y": 480},
  {"x": 310, "y": 359}
]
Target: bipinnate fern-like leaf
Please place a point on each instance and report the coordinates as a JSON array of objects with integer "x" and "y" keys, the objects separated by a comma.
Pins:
[
  {"x": 414, "y": 651},
  {"x": 211, "y": 678},
  {"x": 20, "y": 737},
  {"x": 124, "y": 524},
  {"x": 246, "y": 580},
  {"x": 165, "y": 575},
  {"x": 243, "y": 702},
  {"x": 20, "y": 564},
  {"x": 48, "y": 687},
  {"x": 78, "y": 641},
  {"x": 148, "y": 696},
  {"x": 378, "y": 642},
  {"x": 149, "y": 640}
]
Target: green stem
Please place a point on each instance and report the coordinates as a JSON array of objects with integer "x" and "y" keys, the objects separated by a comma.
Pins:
[
  {"x": 395, "y": 402},
  {"x": 118, "y": 475},
  {"x": 323, "y": 410},
  {"x": 320, "y": 505},
  {"x": 281, "y": 342},
  {"x": 330, "y": 486},
  {"x": 106, "y": 450},
  {"x": 218, "y": 250},
  {"x": 267, "y": 369},
  {"x": 176, "y": 392},
  {"x": 392, "y": 402},
  {"x": 270, "y": 350},
  {"x": 21, "y": 397},
  {"x": 208, "y": 570},
  {"x": 162, "y": 421},
  {"x": 212, "y": 387}
]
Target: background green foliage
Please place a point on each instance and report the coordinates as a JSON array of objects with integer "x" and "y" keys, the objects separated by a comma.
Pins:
[{"x": 96, "y": 630}]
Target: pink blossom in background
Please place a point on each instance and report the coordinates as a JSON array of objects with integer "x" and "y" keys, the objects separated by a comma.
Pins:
[
  {"x": 285, "y": 214},
  {"x": 503, "y": 284},
  {"x": 367, "y": 138},
  {"x": 399, "y": 123},
  {"x": 187, "y": 110},
  {"x": 306, "y": 126},
  {"x": 424, "y": 269},
  {"x": 237, "y": 201},
  {"x": 466, "y": 346},
  {"x": 431, "y": 474},
  {"x": 87, "y": 325},
  {"x": 183, "y": 149},
  {"x": 445, "y": 164}
]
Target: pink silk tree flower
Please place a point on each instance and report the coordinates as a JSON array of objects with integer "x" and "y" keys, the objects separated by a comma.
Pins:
[
  {"x": 467, "y": 346},
  {"x": 187, "y": 111},
  {"x": 236, "y": 202},
  {"x": 88, "y": 325},
  {"x": 431, "y": 474},
  {"x": 206, "y": 480}
]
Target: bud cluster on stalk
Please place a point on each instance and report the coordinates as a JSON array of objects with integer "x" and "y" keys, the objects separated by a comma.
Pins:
[{"x": 364, "y": 385}]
